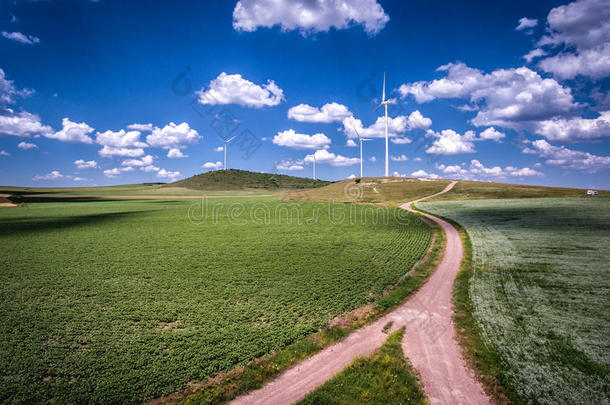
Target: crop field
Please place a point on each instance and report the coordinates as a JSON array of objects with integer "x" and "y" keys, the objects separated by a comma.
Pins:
[
  {"x": 541, "y": 292},
  {"x": 127, "y": 300}
]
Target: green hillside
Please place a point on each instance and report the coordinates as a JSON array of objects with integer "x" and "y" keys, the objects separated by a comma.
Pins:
[{"x": 234, "y": 179}]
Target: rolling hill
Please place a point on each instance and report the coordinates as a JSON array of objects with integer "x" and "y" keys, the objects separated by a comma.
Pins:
[
  {"x": 234, "y": 179},
  {"x": 399, "y": 190}
]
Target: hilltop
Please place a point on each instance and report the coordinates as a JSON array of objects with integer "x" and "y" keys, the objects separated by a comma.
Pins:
[
  {"x": 399, "y": 190},
  {"x": 234, "y": 179}
]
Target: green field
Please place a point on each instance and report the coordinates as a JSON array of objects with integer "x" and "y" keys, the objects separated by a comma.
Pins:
[
  {"x": 541, "y": 293},
  {"x": 126, "y": 300}
]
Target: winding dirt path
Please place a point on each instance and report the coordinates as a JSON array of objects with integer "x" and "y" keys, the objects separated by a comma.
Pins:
[{"x": 429, "y": 342}]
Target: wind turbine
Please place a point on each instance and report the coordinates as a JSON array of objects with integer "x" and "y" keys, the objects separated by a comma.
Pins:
[
  {"x": 385, "y": 103},
  {"x": 360, "y": 139},
  {"x": 314, "y": 166},
  {"x": 226, "y": 142}
]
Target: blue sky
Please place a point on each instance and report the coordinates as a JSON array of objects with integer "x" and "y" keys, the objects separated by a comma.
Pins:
[{"x": 293, "y": 79}]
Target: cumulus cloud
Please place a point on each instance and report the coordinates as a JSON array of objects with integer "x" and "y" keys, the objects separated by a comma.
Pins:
[
  {"x": 4, "y": 153},
  {"x": 449, "y": 142},
  {"x": 176, "y": 153},
  {"x": 22, "y": 124},
  {"x": 21, "y": 38},
  {"x": 372, "y": 159},
  {"x": 141, "y": 127},
  {"x": 213, "y": 165},
  {"x": 416, "y": 120},
  {"x": 234, "y": 89},
  {"x": 505, "y": 97},
  {"x": 323, "y": 156},
  {"x": 396, "y": 127},
  {"x": 150, "y": 168},
  {"x": 86, "y": 164},
  {"x": 575, "y": 129},
  {"x": 309, "y": 15},
  {"x": 534, "y": 53},
  {"x": 8, "y": 91},
  {"x": 331, "y": 112},
  {"x": 112, "y": 173},
  {"x": 401, "y": 158},
  {"x": 401, "y": 140},
  {"x": 562, "y": 156},
  {"x": 422, "y": 174},
  {"x": 54, "y": 175},
  {"x": 218, "y": 149},
  {"x": 492, "y": 134},
  {"x": 525, "y": 23},
  {"x": 120, "y": 143},
  {"x": 289, "y": 165},
  {"x": 476, "y": 170},
  {"x": 173, "y": 136},
  {"x": 166, "y": 174},
  {"x": 291, "y": 139},
  {"x": 351, "y": 144},
  {"x": 143, "y": 161},
  {"x": 581, "y": 32},
  {"x": 72, "y": 132},
  {"x": 27, "y": 145}
]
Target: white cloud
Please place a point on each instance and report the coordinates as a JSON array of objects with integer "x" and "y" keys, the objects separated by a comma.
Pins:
[
  {"x": 80, "y": 179},
  {"x": 89, "y": 164},
  {"x": 505, "y": 97},
  {"x": 165, "y": 174},
  {"x": 8, "y": 91},
  {"x": 526, "y": 23},
  {"x": 143, "y": 161},
  {"x": 534, "y": 53},
  {"x": 150, "y": 168},
  {"x": 575, "y": 129},
  {"x": 476, "y": 170},
  {"x": 22, "y": 124},
  {"x": 323, "y": 156},
  {"x": 332, "y": 112},
  {"x": 4, "y": 153},
  {"x": 111, "y": 173},
  {"x": 400, "y": 141},
  {"x": 289, "y": 165},
  {"x": 293, "y": 140},
  {"x": 173, "y": 136},
  {"x": 218, "y": 149},
  {"x": 141, "y": 127},
  {"x": 120, "y": 143},
  {"x": 396, "y": 127},
  {"x": 372, "y": 159},
  {"x": 594, "y": 63},
  {"x": 27, "y": 145},
  {"x": 72, "y": 132},
  {"x": 417, "y": 159},
  {"x": 176, "y": 153},
  {"x": 213, "y": 166},
  {"x": 351, "y": 144},
  {"x": 309, "y": 15},
  {"x": 417, "y": 121},
  {"x": 491, "y": 134},
  {"x": 234, "y": 89},
  {"x": 109, "y": 151},
  {"x": 351, "y": 176},
  {"x": 21, "y": 38},
  {"x": 423, "y": 174},
  {"x": 562, "y": 156},
  {"x": 401, "y": 158},
  {"x": 54, "y": 175},
  {"x": 449, "y": 142},
  {"x": 581, "y": 32}
]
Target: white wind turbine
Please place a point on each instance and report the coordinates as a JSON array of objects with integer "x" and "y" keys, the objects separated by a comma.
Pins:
[
  {"x": 314, "y": 166},
  {"x": 385, "y": 103},
  {"x": 226, "y": 142},
  {"x": 361, "y": 139}
]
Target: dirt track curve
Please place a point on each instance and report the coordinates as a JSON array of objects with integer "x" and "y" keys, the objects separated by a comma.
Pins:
[{"x": 429, "y": 342}]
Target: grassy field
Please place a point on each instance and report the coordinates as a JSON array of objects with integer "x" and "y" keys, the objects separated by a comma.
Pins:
[
  {"x": 384, "y": 378},
  {"x": 127, "y": 300},
  {"x": 540, "y": 293},
  {"x": 400, "y": 190}
]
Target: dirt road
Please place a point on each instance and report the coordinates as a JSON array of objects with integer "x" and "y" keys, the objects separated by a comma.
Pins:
[{"x": 429, "y": 342}]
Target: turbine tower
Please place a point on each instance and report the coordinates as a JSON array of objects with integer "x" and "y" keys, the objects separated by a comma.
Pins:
[
  {"x": 360, "y": 139},
  {"x": 385, "y": 103},
  {"x": 226, "y": 142},
  {"x": 314, "y": 166}
]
